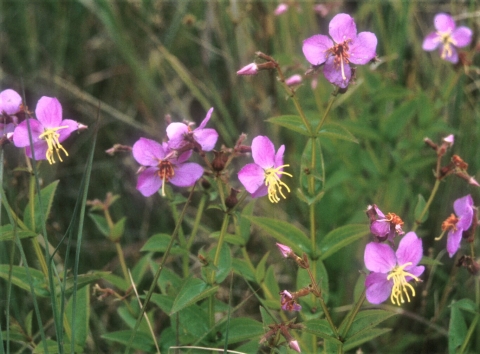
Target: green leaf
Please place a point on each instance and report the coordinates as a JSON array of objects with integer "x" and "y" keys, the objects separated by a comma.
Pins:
[
  {"x": 430, "y": 261},
  {"x": 457, "y": 329},
  {"x": 117, "y": 231},
  {"x": 284, "y": 232},
  {"x": 241, "y": 329},
  {"x": 159, "y": 243},
  {"x": 52, "y": 347},
  {"x": 341, "y": 237},
  {"x": 100, "y": 223},
  {"x": 34, "y": 222},
  {"x": 260, "y": 271},
  {"x": 467, "y": 305},
  {"x": 366, "y": 336},
  {"x": 320, "y": 328},
  {"x": 230, "y": 238},
  {"x": 291, "y": 122},
  {"x": 7, "y": 233},
  {"x": 20, "y": 279},
  {"x": 241, "y": 267},
  {"x": 82, "y": 316},
  {"x": 337, "y": 131},
  {"x": 271, "y": 288},
  {"x": 142, "y": 341},
  {"x": 421, "y": 203},
  {"x": 365, "y": 321},
  {"x": 224, "y": 265},
  {"x": 192, "y": 290}
]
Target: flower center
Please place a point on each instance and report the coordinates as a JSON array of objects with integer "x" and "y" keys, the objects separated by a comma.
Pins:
[
  {"x": 51, "y": 136},
  {"x": 450, "y": 223},
  {"x": 447, "y": 42},
  {"x": 394, "y": 219},
  {"x": 340, "y": 52},
  {"x": 165, "y": 172},
  {"x": 274, "y": 184},
  {"x": 400, "y": 284}
]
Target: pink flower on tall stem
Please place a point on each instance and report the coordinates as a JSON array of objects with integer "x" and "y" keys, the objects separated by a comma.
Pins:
[
  {"x": 447, "y": 38},
  {"x": 456, "y": 225},
  {"x": 392, "y": 271},
  {"x": 384, "y": 227},
  {"x": 347, "y": 47},
  {"x": 48, "y": 131},
  {"x": 163, "y": 166},
  {"x": 263, "y": 176}
]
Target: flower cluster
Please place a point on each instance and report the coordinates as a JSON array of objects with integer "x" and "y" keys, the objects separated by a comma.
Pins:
[{"x": 167, "y": 162}]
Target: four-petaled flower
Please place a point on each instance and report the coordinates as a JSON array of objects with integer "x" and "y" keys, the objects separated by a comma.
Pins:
[
  {"x": 391, "y": 271},
  {"x": 345, "y": 48},
  {"x": 456, "y": 225},
  {"x": 288, "y": 302},
  {"x": 384, "y": 227},
  {"x": 48, "y": 131},
  {"x": 162, "y": 165},
  {"x": 263, "y": 176},
  {"x": 447, "y": 38},
  {"x": 181, "y": 136}
]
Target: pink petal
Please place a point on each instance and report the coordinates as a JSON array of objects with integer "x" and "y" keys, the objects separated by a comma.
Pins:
[
  {"x": 333, "y": 73},
  {"x": 409, "y": 250},
  {"x": 378, "y": 288},
  {"x": 363, "y": 48},
  {"x": 316, "y": 49},
  {"x": 462, "y": 36},
  {"x": 453, "y": 241},
  {"x": 464, "y": 209},
  {"x": 263, "y": 152},
  {"x": 380, "y": 228},
  {"x": 65, "y": 132},
  {"x": 39, "y": 148},
  {"x": 149, "y": 182},
  {"x": 10, "y": 101},
  {"x": 176, "y": 132},
  {"x": 451, "y": 55},
  {"x": 49, "y": 112},
  {"x": 20, "y": 135},
  {"x": 252, "y": 177},
  {"x": 342, "y": 27},
  {"x": 379, "y": 257},
  {"x": 431, "y": 41},
  {"x": 207, "y": 118},
  {"x": 207, "y": 138},
  {"x": 444, "y": 22},
  {"x": 260, "y": 192},
  {"x": 148, "y": 152},
  {"x": 279, "y": 156},
  {"x": 187, "y": 174}
]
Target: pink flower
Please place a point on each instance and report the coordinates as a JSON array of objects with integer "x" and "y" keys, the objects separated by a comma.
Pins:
[
  {"x": 456, "y": 225},
  {"x": 181, "y": 136},
  {"x": 280, "y": 9},
  {"x": 384, "y": 227},
  {"x": 288, "y": 302},
  {"x": 294, "y": 80},
  {"x": 263, "y": 176},
  {"x": 447, "y": 38},
  {"x": 391, "y": 271},
  {"x": 284, "y": 250},
  {"x": 250, "y": 69},
  {"x": 49, "y": 130},
  {"x": 293, "y": 344},
  {"x": 162, "y": 166},
  {"x": 347, "y": 47}
]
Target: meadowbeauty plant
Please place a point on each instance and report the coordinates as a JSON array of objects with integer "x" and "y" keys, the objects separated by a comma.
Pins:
[{"x": 239, "y": 177}]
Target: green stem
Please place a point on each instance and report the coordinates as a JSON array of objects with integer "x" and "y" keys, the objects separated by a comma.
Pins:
[
  {"x": 352, "y": 315},
  {"x": 121, "y": 258},
  {"x": 327, "y": 110},
  {"x": 198, "y": 218},
  {"x": 159, "y": 271},
  {"x": 181, "y": 239},
  {"x": 427, "y": 205}
]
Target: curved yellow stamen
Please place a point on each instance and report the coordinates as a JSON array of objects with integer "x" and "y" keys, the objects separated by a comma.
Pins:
[
  {"x": 447, "y": 41},
  {"x": 51, "y": 136},
  {"x": 274, "y": 184},
  {"x": 400, "y": 284}
]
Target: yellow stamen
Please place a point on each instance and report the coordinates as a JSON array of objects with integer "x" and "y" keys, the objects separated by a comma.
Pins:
[
  {"x": 51, "y": 136},
  {"x": 274, "y": 184},
  {"x": 165, "y": 172},
  {"x": 343, "y": 71},
  {"x": 400, "y": 284},
  {"x": 447, "y": 42}
]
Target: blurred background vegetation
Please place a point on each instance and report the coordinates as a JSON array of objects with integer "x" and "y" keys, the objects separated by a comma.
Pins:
[{"x": 131, "y": 63}]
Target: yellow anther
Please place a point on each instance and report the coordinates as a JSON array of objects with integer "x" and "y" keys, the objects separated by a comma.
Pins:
[
  {"x": 51, "y": 136},
  {"x": 274, "y": 184},
  {"x": 400, "y": 284}
]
